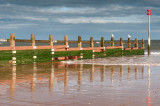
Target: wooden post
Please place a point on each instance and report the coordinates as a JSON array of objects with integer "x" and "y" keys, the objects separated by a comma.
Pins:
[
  {"x": 136, "y": 42},
  {"x": 121, "y": 42},
  {"x": 102, "y": 41},
  {"x": 129, "y": 43},
  {"x": 66, "y": 40},
  {"x": 91, "y": 42},
  {"x": 79, "y": 42},
  {"x": 112, "y": 41},
  {"x": 32, "y": 40},
  {"x": 12, "y": 40},
  {"x": 50, "y": 40},
  {"x": 142, "y": 42}
]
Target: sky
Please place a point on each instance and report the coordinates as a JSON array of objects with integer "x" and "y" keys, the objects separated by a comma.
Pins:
[{"x": 96, "y": 18}]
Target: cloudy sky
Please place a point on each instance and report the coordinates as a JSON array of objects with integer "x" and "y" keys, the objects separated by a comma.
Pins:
[{"x": 87, "y": 18}]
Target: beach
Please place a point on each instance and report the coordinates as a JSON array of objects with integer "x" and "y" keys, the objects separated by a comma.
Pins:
[
  {"x": 112, "y": 81},
  {"x": 70, "y": 84}
]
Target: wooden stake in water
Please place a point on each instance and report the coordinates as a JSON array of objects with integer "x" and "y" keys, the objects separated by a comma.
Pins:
[
  {"x": 91, "y": 42},
  {"x": 79, "y": 42},
  {"x": 129, "y": 42},
  {"x": 121, "y": 41},
  {"x": 12, "y": 40},
  {"x": 32, "y": 40},
  {"x": 102, "y": 41},
  {"x": 136, "y": 42},
  {"x": 112, "y": 40},
  {"x": 50, "y": 40},
  {"x": 66, "y": 40},
  {"x": 143, "y": 43}
]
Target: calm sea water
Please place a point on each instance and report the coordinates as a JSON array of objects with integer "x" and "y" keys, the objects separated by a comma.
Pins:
[{"x": 113, "y": 81}]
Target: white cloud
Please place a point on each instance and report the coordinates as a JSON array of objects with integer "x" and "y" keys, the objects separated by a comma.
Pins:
[
  {"x": 100, "y": 20},
  {"x": 16, "y": 26},
  {"x": 68, "y": 10},
  {"x": 32, "y": 18}
]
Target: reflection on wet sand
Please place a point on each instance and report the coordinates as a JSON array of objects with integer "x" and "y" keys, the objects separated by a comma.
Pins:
[
  {"x": 13, "y": 82},
  {"x": 136, "y": 71},
  {"x": 102, "y": 73},
  {"x": 142, "y": 72},
  {"x": 129, "y": 71},
  {"x": 91, "y": 73},
  {"x": 51, "y": 79},
  {"x": 33, "y": 78},
  {"x": 102, "y": 69},
  {"x": 80, "y": 75},
  {"x": 78, "y": 72},
  {"x": 121, "y": 72},
  {"x": 112, "y": 74},
  {"x": 149, "y": 85},
  {"x": 65, "y": 79}
]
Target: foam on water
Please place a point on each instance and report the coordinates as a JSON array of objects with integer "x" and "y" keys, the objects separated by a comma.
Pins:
[
  {"x": 153, "y": 53},
  {"x": 145, "y": 60}
]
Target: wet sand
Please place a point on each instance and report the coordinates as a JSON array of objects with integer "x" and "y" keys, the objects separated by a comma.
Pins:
[{"x": 80, "y": 84}]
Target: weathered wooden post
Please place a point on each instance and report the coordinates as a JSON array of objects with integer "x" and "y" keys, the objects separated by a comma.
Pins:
[
  {"x": 121, "y": 41},
  {"x": 91, "y": 42},
  {"x": 79, "y": 42},
  {"x": 32, "y": 40},
  {"x": 102, "y": 41},
  {"x": 112, "y": 41},
  {"x": 50, "y": 40},
  {"x": 66, "y": 40},
  {"x": 129, "y": 43},
  {"x": 136, "y": 42},
  {"x": 12, "y": 44},
  {"x": 12, "y": 40},
  {"x": 142, "y": 42},
  {"x": 34, "y": 47}
]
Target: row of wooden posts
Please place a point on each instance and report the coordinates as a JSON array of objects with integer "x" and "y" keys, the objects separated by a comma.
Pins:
[{"x": 12, "y": 41}]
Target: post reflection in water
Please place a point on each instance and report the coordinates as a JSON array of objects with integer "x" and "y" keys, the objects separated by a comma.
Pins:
[
  {"x": 121, "y": 72},
  {"x": 51, "y": 79},
  {"x": 112, "y": 74},
  {"x": 102, "y": 73},
  {"x": 34, "y": 78},
  {"x": 80, "y": 76},
  {"x": 91, "y": 73},
  {"x": 13, "y": 82},
  {"x": 136, "y": 70},
  {"x": 129, "y": 72},
  {"x": 65, "y": 80},
  {"x": 149, "y": 86},
  {"x": 142, "y": 72}
]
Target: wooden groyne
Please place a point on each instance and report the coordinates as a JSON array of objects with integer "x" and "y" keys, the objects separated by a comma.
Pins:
[{"x": 34, "y": 54}]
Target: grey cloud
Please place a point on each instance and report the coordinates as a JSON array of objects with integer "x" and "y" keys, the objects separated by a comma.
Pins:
[{"x": 81, "y": 3}]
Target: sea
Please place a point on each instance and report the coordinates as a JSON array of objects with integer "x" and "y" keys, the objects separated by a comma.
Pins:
[{"x": 112, "y": 81}]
